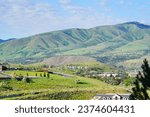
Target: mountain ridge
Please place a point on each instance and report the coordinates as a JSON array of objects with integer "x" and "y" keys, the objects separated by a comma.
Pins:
[
  {"x": 125, "y": 41},
  {"x": 2, "y": 40}
]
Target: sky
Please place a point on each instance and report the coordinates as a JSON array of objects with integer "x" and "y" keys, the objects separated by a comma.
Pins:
[{"x": 22, "y": 18}]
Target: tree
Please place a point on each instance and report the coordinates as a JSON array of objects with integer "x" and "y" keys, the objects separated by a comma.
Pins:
[
  {"x": 41, "y": 74},
  {"x": 27, "y": 74},
  {"x": 146, "y": 74},
  {"x": 44, "y": 74},
  {"x": 27, "y": 80},
  {"x": 48, "y": 75},
  {"x": 142, "y": 83}
]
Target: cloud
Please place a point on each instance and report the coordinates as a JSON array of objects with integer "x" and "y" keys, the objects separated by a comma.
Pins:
[
  {"x": 69, "y": 7},
  {"x": 24, "y": 17},
  {"x": 103, "y": 3},
  {"x": 122, "y": 2},
  {"x": 65, "y": 2}
]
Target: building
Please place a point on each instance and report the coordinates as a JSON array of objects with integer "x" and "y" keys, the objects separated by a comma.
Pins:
[
  {"x": 2, "y": 67},
  {"x": 112, "y": 97}
]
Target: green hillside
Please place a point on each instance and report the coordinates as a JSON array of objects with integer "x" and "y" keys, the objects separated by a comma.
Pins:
[
  {"x": 113, "y": 44},
  {"x": 55, "y": 88}
]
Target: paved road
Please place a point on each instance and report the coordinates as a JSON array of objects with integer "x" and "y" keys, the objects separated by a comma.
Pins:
[
  {"x": 5, "y": 75},
  {"x": 64, "y": 75}
]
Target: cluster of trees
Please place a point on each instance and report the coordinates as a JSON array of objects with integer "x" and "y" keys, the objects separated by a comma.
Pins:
[
  {"x": 4, "y": 85},
  {"x": 44, "y": 75},
  {"x": 93, "y": 72},
  {"x": 129, "y": 81},
  {"x": 112, "y": 81},
  {"x": 26, "y": 78}
]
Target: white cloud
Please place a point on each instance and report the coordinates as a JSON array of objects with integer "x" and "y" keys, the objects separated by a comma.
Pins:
[
  {"x": 69, "y": 7},
  {"x": 103, "y": 3},
  {"x": 25, "y": 18},
  {"x": 65, "y": 2},
  {"x": 122, "y": 2}
]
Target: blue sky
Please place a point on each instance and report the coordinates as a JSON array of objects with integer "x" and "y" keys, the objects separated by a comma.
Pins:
[{"x": 21, "y": 18}]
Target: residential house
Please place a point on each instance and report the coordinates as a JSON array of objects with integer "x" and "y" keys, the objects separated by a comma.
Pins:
[
  {"x": 2, "y": 67},
  {"x": 112, "y": 97}
]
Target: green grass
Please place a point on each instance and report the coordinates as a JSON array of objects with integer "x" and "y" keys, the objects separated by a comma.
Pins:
[
  {"x": 24, "y": 73},
  {"x": 57, "y": 87},
  {"x": 1, "y": 75},
  {"x": 88, "y": 65}
]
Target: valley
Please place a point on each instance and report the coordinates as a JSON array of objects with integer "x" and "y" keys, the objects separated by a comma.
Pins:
[
  {"x": 114, "y": 45},
  {"x": 73, "y": 63},
  {"x": 71, "y": 80}
]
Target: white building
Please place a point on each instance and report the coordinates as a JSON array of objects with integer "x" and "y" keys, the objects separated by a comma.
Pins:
[
  {"x": 112, "y": 97},
  {"x": 1, "y": 67}
]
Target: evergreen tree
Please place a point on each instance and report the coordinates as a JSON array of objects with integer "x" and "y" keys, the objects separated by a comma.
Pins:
[
  {"x": 41, "y": 74},
  {"x": 146, "y": 74},
  {"x": 48, "y": 75},
  {"x": 44, "y": 74},
  {"x": 142, "y": 83},
  {"x": 27, "y": 74}
]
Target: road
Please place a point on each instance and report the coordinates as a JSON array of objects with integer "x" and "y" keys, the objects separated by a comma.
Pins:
[{"x": 5, "y": 75}]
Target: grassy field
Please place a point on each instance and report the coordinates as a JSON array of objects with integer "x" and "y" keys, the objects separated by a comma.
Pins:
[
  {"x": 23, "y": 72},
  {"x": 1, "y": 75},
  {"x": 55, "y": 87}
]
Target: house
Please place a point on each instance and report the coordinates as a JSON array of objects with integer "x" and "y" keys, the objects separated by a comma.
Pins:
[
  {"x": 2, "y": 67},
  {"x": 112, "y": 97},
  {"x": 132, "y": 74}
]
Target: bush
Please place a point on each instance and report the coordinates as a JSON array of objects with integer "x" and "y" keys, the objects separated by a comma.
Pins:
[
  {"x": 129, "y": 81},
  {"x": 44, "y": 74},
  {"x": 27, "y": 74},
  {"x": 5, "y": 86},
  {"x": 48, "y": 75},
  {"x": 27, "y": 80},
  {"x": 79, "y": 82},
  {"x": 19, "y": 78}
]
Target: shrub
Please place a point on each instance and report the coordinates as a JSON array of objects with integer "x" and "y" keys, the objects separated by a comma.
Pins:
[
  {"x": 27, "y": 74},
  {"x": 48, "y": 75},
  {"x": 79, "y": 82},
  {"x": 5, "y": 86},
  {"x": 44, "y": 74},
  {"x": 129, "y": 81},
  {"x": 27, "y": 80}
]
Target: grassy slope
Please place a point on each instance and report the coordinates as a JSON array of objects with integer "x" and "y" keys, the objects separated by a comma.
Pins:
[
  {"x": 64, "y": 60},
  {"x": 58, "y": 87},
  {"x": 115, "y": 44},
  {"x": 24, "y": 73},
  {"x": 79, "y": 41}
]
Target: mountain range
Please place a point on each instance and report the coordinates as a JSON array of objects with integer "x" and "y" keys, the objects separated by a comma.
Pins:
[
  {"x": 2, "y": 40},
  {"x": 123, "y": 45}
]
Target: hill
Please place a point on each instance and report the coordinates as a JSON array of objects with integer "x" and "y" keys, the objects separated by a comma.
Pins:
[
  {"x": 1, "y": 40},
  {"x": 55, "y": 88},
  {"x": 65, "y": 60},
  {"x": 112, "y": 44}
]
